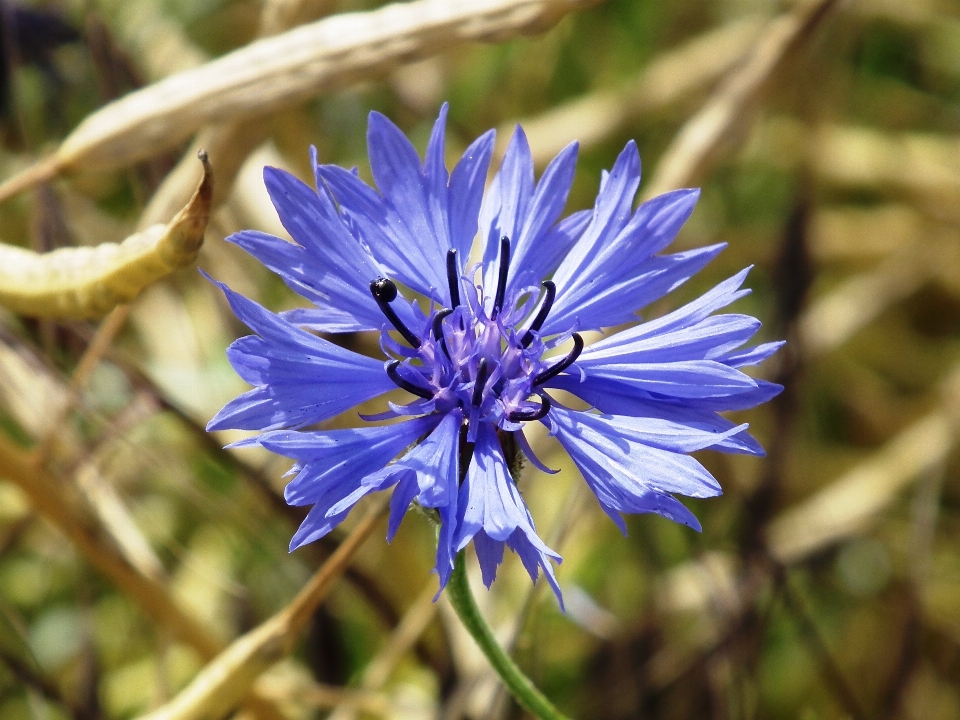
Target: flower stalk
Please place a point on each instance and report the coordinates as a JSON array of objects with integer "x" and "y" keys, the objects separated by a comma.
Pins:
[{"x": 519, "y": 685}]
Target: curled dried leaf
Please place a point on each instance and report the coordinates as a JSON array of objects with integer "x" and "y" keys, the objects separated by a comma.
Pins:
[{"x": 89, "y": 282}]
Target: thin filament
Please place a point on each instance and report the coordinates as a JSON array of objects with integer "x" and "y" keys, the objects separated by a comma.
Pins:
[
  {"x": 480, "y": 382},
  {"x": 384, "y": 291},
  {"x": 540, "y": 412},
  {"x": 502, "y": 276},
  {"x": 555, "y": 370},
  {"x": 394, "y": 375},
  {"x": 541, "y": 318},
  {"x": 453, "y": 278}
]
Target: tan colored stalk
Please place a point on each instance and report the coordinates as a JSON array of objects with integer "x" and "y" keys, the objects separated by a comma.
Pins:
[
  {"x": 279, "y": 71},
  {"x": 223, "y": 682}
]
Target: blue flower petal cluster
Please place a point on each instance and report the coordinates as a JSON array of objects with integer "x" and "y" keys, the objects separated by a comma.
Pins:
[{"x": 478, "y": 358}]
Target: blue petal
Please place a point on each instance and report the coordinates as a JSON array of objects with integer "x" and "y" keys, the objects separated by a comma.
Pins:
[
  {"x": 397, "y": 171},
  {"x": 741, "y": 401},
  {"x": 315, "y": 526},
  {"x": 710, "y": 339},
  {"x": 403, "y": 495},
  {"x": 330, "y": 267},
  {"x": 490, "y": 503},
  {"x": 679, "y": 379},
  {"x": 611, "y": 213},
  {"x": 304, "y": 379},
  {"x": 615, "y": 398},
  {"x": 554, "y": 245},
  {"x": 339, "y": 309},
  {"x": 381, "y": 228},
  {"x": 531, "y": 251},
  {"x": 435, "y": 464},
  {"x": 534, "y": 559},
  {"x": 506, "y": 204},
  {"x": 752, "y": 356},
  {"x": 326, "y": 458},
  {"x": 489, "y": 554},
  {"x": 466, "y": 193},
  {"x": 688, "y": 315},
  {"x": 335, "y": 494},
  {"x": 614, "y": 298},
  {"x": 626, "y": 474}
]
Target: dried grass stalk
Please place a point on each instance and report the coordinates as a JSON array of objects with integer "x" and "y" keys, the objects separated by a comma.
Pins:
[
  {"x": 224, "y": 681},
  {"x": 89, "y": 282},
  {"x": 231, "y": 143},
  {"x": 48, "y": 498},
  {"x": 846, "y": 506},
  {"x": 843, "y": 508},
  {"x": 282, "y": 70},
  {"x": 704, "y": 134},
  {"x": 668, "y": 78}
]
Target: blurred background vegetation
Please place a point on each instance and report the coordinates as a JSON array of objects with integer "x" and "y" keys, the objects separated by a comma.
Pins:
[{"x": 826, "y": 582}]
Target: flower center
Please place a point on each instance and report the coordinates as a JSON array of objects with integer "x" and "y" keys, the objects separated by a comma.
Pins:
[{"x": 488, "y": 363}]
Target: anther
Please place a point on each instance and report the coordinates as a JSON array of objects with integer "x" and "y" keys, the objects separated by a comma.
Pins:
[
  {"x": 540, "y": 412},
  {"x": 453, "y": 278},
  {"x": 438, "y": 329},
  {"x": 394, "y": 375},
  {"x": 541, "y": 318},
  {"x": 555, "y": 370},
  {"x": 480, "y": 382},
  {"x": 384, "y": 291},
  {"x": 502, "y": 276}
]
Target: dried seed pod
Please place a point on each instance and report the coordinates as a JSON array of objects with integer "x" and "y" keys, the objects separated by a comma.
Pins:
[
  {"x": 282, "y": 70},
  {"x": 88, "y": 282}
]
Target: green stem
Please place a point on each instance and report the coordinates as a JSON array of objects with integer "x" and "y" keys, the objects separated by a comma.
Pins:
[{"x": 458, "y": 591}]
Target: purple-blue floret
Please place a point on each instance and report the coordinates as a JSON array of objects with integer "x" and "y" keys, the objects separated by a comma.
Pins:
[{"x": 488, "y": 343}]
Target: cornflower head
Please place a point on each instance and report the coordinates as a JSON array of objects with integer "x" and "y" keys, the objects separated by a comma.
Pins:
[{"x": 494, "y": 338}]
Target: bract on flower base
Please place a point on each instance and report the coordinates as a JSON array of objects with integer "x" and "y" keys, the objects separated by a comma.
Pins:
[{"x": 478, "y": 357}]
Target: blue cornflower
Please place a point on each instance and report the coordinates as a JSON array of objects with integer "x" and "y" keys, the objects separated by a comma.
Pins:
[{"x": 478, "y": 360}]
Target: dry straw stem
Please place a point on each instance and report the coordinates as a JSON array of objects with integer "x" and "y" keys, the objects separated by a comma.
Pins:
[
  {"x": 282, "y": 70},
  {"x": 667, "y": 79},
  {"x": 378, "y": 671},
  {"x": 223, "y": 682},
  {"x": 115, "y": 519},
  {"x": 89, "y": 282},
  {"x": 698, "y": 141},
  {"x": 923, "y": 167},
  {"x": 229, "y": 144},
  {"x": 831, "y": 321},
  {"x": 920, "y": 164},
  {"x": 46, "y": 494},
  {"x": 843, "y": 508},
  {"x": 47, "y": 497}
]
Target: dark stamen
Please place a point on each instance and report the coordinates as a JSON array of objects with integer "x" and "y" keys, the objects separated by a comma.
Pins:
[
  {"x": 385, "y": 292},
  {"x": 563, "y": 364},
  {"x": 466, "y": 451},
  {"x": 480, "y": 383},
  {"x": 453, "y": 278},
  {"x": 541, "y": 318},
  {"x": 404, "y": 384},
  {"x": 540, "y": 412},
  {"x": 438, "y": 329},
  {"x": 502, "y": 277}
]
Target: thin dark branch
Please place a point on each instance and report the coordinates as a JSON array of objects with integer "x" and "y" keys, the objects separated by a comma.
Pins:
[
  {"x": 32, "y": 679},
  {"x": 827, "y": 665}
]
